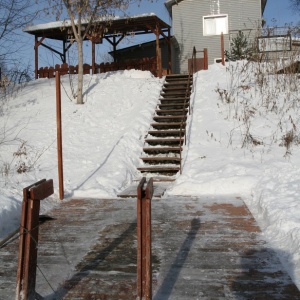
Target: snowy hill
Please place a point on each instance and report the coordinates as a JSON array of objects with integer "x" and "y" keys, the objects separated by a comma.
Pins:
[{"x": 241, "y": 142}]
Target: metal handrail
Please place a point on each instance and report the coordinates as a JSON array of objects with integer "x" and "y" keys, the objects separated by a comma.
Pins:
[
  {"x": 183, "y": 109},
  {"x": 192, "y": 70}
]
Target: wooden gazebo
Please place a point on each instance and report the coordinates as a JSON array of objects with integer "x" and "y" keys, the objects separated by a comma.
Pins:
[{"x": 111, "y": 29}]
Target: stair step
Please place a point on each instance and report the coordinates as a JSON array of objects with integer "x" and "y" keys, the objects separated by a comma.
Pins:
[
  {"x": 171, "y": 112},
  {"x": 161, "y": 160},
  {"x": 171, "y": 125},
  {"x": 167, "y": 132},
  {"x": 178, "y": 79},
  {"x": 169, "y": 118},
  {"x": 179, "y": 84},
  {"x": 175, "y": 93},
  {"x": 177, "y": 76},
  {"x": 175, "y": 88},
  {"x": 169, "y": 105},
  {"x": 173, "y": 98},
  {"x": 166, "y": 141},
  {"x": 156, "y": 150},
  {"x": 166, "y": 170}
]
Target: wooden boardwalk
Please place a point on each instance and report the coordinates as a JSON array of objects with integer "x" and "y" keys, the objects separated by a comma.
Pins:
[{"x": 203, "y": 248}]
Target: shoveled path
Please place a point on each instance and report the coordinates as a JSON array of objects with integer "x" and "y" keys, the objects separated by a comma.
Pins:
[{"x": 203, "y": 248}]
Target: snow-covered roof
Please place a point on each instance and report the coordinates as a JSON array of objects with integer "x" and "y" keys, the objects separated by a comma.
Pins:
[
  {"x": 138, "y": 24},
  {"x": 67, "y": 23}
]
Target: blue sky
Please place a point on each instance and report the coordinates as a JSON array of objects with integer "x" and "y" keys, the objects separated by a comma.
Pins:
[
  {"x": 275, "y": 9},
  {"x": 281, "y": 11}
]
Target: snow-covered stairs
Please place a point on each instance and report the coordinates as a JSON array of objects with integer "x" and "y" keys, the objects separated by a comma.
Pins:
[{"x": 164, "y": 141}]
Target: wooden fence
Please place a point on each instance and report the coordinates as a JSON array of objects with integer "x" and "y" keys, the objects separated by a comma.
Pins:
[{"x": 144, "y": 64}]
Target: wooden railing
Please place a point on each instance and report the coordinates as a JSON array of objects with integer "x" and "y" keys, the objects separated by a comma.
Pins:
[
  {"x": 198, "y": 63},
  {"x": 144, "y": 64}
]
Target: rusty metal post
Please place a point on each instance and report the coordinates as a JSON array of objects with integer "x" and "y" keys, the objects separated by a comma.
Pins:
[
  {"x": 28, "y": 244},
  {"x": 59, "y": 137},
  {"x": 222, "y": 49},
  {"x": 144, "y": 260}
]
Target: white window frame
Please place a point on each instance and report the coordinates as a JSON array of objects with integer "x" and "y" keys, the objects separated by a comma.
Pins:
[{"x": 219, "y": 23}]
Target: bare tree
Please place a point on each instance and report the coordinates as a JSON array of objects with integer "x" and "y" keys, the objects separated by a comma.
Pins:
[
  {"x": 14, "y": 15},
  {"x": 82, "y": 14},
  {"x": 295, "y": 4}
]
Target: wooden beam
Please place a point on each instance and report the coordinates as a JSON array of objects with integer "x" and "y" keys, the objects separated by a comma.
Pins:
[
  {"x": 37, "y": 43},
  {"x": 55, "y": 51},
  {"x": 69, "y": 46},
  {"x": 115, "y": 43},
  {"x": 64, "y": 51}
]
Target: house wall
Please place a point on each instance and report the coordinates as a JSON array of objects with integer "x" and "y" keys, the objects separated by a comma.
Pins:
[{"x": 187, "y": 24}]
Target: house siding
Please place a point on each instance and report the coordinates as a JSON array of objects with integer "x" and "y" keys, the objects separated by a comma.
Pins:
[{"x": 187, "y": 24}]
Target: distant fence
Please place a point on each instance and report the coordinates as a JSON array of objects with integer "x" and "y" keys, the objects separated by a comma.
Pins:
[
  {"x": 271, "y": 43},
  {"x": 144, "y": 64}
]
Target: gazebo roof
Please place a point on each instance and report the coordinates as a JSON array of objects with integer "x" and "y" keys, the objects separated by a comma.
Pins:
[{"x": 110, "y": 26}]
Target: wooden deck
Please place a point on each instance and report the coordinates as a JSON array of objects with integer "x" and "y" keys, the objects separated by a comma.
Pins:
[{"x": 204, "y": 248}]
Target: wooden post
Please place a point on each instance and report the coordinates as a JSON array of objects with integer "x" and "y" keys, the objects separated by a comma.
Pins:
[
  {"x": 205, "y": 58},
  {"x": 169, "y": 52},
  {"x": 158, "y": 54},
  {"x": 59, "y": 137},
  {"x": 114, "y": 48},
  {"x": 28, "y": 244},
  {"x": 144, "y": 261},
  {"x": 222, "y": 49},
  {"x": 159, "y": 64},
  {"x": 36, "y": 57},
  {"x": 93, "y": 58},
  {"x": 194, "y": 62}
]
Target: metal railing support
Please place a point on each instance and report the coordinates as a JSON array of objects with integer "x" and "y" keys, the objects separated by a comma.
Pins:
[
  {"x": 28, "y": 244},
  {"x": 144, "y": 260},
  {"x": 59, "y": 138},
  {"x": 222, "y": 49}
]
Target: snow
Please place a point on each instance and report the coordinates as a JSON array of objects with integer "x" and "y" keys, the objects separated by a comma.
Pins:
[
  {"x": 103, "y": 140},
  {"x": 67, "y": 23}
]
